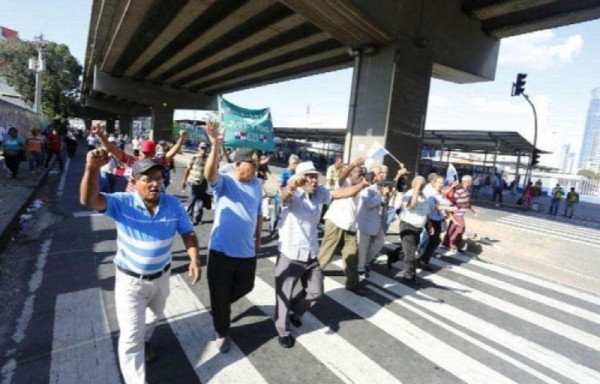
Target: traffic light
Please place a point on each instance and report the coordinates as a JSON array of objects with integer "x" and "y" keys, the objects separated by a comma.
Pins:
[
  {"x": 535, "y": 157},
  {"x": 519, "y": 86}
]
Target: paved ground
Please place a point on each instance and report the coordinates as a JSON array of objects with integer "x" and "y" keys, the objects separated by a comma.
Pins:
[{"x": 476, "y": 319}]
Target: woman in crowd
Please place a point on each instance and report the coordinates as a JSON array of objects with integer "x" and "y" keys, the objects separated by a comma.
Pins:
[{"x": 14, "y": 151}]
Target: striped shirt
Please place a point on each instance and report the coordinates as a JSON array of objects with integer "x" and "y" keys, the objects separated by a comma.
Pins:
[
  {"x": 144, "y": 241},
  {"x": 461, "y": 200}
]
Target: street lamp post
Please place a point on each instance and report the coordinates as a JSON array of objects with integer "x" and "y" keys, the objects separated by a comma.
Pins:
[
  {"x": 38, "y": 65},
  {"x": 532, "y": 158}
]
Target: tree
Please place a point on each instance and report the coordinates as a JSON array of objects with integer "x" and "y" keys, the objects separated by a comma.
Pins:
[
  {"x": 589, "y": 174},
  {"x": 60, "y": 80}
]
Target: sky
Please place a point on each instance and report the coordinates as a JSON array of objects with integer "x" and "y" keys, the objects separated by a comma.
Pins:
[{"x": 561, "y": 65}]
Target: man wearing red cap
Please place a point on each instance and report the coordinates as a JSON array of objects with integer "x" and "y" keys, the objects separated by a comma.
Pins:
[{"x": 147, "y": 149}]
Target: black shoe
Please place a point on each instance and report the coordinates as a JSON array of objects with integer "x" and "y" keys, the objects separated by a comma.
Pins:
[
  {"x": 410, "y": 281},
  {"x": 425, "y": 267},
  {"x": 286, "y": 341},
  {"x": 295, "y": 320},
  {"x": 149, "y": 353},
  {"x": 357, "y": 291}
]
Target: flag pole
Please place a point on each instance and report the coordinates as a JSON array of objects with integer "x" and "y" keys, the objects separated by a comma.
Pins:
[{"x": 397, "y": 161}]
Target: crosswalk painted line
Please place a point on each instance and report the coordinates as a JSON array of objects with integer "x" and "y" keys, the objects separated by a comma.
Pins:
[
  {"x": 525, "y": 293},
  {"x": 192, "y": 324},
  {"x": 530, "y": 279},
  {"x": 529, "y": 350},
  {"x": 586, "y": 236},
  {"x": 348, "y": 363},
  {"x": 82, "y": 348},
  {"x": 554, "y": 326},
  {"x": 443, "y": 355}
]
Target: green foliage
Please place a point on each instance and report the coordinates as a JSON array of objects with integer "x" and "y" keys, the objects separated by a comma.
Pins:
[
  {"x": 589, "y": 174},
  {"x": 60, "y": 80}
]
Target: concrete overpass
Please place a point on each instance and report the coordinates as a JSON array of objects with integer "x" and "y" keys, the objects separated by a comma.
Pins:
[{"x": 158, "y": 55}]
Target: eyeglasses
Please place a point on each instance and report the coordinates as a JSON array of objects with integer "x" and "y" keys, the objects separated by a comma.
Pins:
[{"x": 148, "y": 179}]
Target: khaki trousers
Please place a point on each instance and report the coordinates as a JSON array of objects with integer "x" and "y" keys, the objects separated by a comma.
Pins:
[{"x": 335, "y": 240}]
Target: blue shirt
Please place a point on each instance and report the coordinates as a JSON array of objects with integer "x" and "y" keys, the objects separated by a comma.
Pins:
[
  {"x": 238, "y": 207},
  {"x": 437, "y": 199},
  {"x": 144, "y": 241},
  {"x": 13, "y": 144},
  {"x": 285, "y": 176}
]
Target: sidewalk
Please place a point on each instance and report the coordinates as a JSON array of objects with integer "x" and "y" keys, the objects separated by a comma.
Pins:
[{"x": 16, "y": 194}]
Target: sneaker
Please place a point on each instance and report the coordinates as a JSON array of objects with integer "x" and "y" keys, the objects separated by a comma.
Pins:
[
  {"x": 223, "y": 343},
  {"x": 149, "y": 353},
  {"x": 450, "y": 252}
]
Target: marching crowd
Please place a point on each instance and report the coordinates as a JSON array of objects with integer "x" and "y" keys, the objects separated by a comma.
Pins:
[{"x": 353, "y": 209}]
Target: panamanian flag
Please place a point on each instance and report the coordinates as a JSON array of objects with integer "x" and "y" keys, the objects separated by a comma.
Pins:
[{"x": 241, "y": 136}]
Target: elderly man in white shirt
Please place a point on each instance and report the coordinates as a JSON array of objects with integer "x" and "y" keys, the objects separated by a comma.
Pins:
[
  {"x": 302, "y": 200},
  {"x": 370, "y": 220},
  {"x": 340, "y": 227},
  {"x": 413, "y": 219}
]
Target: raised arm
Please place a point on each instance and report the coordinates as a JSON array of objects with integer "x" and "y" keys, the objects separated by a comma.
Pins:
[
  {"x": 346, "y": 171},
  {"x": 349, "y": 191},
  {"x": 114, "y": 149},
  {"x": 211, "y": 170},
  {"x": 175, "y": 149},
  {"x": 89, "y": 191}
]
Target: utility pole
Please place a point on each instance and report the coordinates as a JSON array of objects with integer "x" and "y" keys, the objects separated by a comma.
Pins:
[{"x": 38, "y": 65}]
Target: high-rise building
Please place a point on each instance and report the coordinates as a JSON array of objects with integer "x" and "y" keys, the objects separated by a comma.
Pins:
[{"x": 589, "y": 157}]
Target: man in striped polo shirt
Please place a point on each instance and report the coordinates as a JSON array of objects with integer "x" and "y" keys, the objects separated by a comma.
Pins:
[
  {"x": 147, "y": 221},
  {"x": 456, "y": 228}
]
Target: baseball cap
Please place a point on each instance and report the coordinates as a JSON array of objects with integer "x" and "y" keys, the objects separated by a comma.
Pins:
[
  {"x": 112, "y": 139},
  {"x": 244, "y": 154},
  {"x": 140, "y": 167},
  {"x": 148, "y": 146},
  {"x": 202, "y": 145},
  {"x": 306, "y": 168}
]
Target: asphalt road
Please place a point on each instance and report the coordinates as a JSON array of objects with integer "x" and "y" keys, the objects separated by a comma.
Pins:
[{"x": 472, "y": 321}]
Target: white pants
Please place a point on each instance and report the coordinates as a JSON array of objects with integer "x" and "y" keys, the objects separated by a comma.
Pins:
[
  {"x": 133, "y": 296},
  {"x": 368, "y": 248}
]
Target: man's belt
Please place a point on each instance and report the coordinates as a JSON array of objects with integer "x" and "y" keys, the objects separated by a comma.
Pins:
[{"x": 150, "y": 277}]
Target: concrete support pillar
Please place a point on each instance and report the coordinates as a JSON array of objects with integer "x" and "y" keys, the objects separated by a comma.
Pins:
[
  {"x": 162, "y": 122},
  {"x": 125, "y": 126},
  {"x": 388, "y": 103},
  {"x": 517, "y": 175},
  {"x": 110, "y": 125}
]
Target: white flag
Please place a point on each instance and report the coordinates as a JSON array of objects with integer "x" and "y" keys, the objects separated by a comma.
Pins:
[
  {"x": 376, "y": 152},
  {"x": 451, "y": 174}
]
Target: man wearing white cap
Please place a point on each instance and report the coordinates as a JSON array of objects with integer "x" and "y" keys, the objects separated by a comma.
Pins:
[{"x": 302, "y": 200}]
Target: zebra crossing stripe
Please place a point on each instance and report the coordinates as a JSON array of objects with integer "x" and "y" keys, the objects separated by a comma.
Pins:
[
  {"x": 511, "y": 309},
  {"x": 548, "y": 301},
  {"x": 448, "y": 358},
  {"x": 548, "y": 224},
  {"x": 528, "y": 349},
  {"x": 558, "y": 233},
  {"x": 191, "y": 323},
  {"x": 82, "y": 347},
  {"x": 347, "y": 362},
  {"x": 537, "y": 231},
  {"x": 530, "y": 279}
]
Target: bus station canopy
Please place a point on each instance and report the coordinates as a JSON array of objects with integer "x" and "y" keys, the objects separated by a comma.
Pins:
[{"x": 503, "y": 143}]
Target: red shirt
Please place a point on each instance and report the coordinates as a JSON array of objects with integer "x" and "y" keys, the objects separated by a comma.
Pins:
[{"x": 53, "y": 142}]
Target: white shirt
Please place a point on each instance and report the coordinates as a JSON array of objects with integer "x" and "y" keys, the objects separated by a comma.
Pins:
[
  {"x": 342, "y": 212},
  {"x": 417, "y": 215},
  {"x": 298, "y": 232},
  {"x": 369, "y": 217},
  {"x": 428, "y": 191}
]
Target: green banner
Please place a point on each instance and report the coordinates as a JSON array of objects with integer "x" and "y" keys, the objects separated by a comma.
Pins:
[{"x": 248, "y": 128}]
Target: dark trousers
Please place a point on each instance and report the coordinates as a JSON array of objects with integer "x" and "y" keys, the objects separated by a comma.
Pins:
[
  {"x": 409, "y": 235},
  {"x": 195, "y": 204},
  {"x": 497, "y": 193},
  {"x": 49, "y": 156},
  {"x": 434, "y": 241},
  {"x": 287, "y": 274},
  {"x": 229, "y": 279},
  {"x": 12, "y": 163}
]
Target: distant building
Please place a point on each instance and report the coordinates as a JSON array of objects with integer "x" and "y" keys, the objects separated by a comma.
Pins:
[{"x": 589, "y": 157}]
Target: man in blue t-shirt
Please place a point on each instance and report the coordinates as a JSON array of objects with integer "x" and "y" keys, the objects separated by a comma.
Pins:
[
  {"x": 235, "y": 237},
  {"x": 147, "y": 221}
]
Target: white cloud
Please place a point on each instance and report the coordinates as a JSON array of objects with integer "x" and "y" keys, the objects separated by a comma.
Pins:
[{"x": 539, "y": 50}]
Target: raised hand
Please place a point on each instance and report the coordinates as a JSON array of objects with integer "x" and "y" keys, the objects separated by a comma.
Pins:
[
  {"x": 215, "y": 136},
  {"x": 96, "y": 158}
]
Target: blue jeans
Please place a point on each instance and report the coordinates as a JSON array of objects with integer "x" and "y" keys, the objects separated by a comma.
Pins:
[
  {"x": 554, "y": 204},
  {"x": 36, "y": 161}
]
